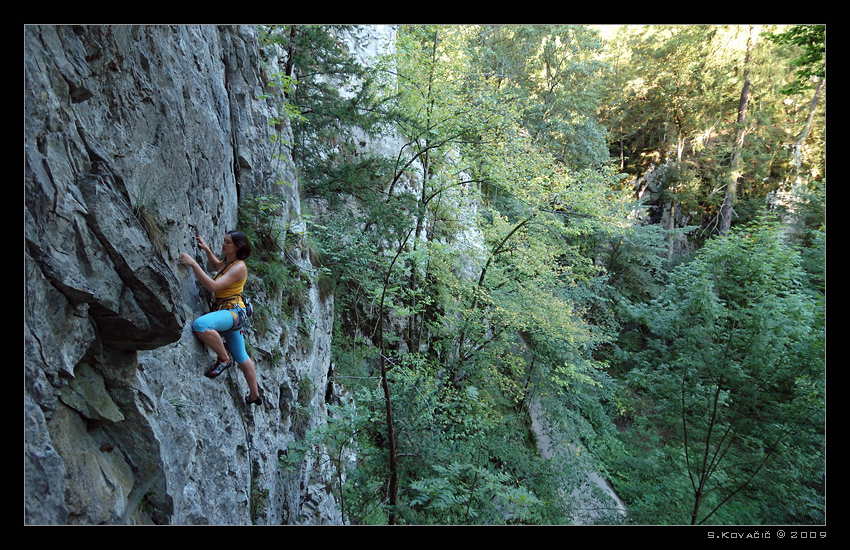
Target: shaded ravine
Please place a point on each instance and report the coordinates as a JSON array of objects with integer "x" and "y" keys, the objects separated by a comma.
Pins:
[{"x": 594, "y": 500}]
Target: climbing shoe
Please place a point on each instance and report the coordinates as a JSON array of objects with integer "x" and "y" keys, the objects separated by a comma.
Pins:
[
  {"x": 257, "y": 401},
  {"x": 218, "y": 367}
]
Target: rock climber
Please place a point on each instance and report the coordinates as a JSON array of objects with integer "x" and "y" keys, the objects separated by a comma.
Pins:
[{"x": 219, "y": 328}]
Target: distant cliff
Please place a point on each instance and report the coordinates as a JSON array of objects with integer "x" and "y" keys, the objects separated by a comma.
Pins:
[{"x": 138, "y": 138}]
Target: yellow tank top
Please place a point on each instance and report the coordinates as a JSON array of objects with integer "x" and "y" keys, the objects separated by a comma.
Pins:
[{"x": 231, "y": 296}]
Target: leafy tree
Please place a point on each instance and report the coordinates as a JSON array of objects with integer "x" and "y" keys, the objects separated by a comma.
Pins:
[
  {"x": 735, "y": 381},
  {"x": 810, "y": 41},
  {"x": 668, "y": 86},
  {"x": 550, "y": 72},
  {"x": 316, "y": 66},
  {"x": 443, "y": 317},
  {"x": 673, "y": 99},
  {"x": 811, "y": 62}
]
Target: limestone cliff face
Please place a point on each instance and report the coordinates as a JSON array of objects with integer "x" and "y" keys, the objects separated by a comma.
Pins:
[{"x": 138, "y": 138}]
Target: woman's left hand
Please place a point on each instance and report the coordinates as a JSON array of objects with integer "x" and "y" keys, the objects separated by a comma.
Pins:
[{"x": 202, "y": 244}]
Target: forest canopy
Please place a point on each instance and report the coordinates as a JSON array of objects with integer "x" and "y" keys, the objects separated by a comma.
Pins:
[{"x": 621, "y": 227}]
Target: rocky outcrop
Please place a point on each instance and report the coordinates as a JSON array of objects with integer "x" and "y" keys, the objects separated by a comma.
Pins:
[{"x": 138, "y": 138}]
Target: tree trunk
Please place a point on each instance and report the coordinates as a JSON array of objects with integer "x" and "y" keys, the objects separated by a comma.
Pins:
[
  {"x": 289, "y": 68},
  {"x": 392, "y": 455},
  {"x": 726, "y": 210},
  {"x": 798, "y": 145}
]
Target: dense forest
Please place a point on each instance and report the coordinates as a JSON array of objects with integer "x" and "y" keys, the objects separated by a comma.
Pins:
[{"x": 622, "y": 226}]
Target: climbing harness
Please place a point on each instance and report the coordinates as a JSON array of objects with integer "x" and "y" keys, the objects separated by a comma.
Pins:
[{"x": 244, "y": 312}]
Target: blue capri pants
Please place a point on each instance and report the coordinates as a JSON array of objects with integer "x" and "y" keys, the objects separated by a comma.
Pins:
[{"x": 222, "y": 321}]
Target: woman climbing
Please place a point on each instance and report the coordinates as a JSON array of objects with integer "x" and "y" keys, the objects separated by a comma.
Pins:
[{"x": 224, "y": 320}]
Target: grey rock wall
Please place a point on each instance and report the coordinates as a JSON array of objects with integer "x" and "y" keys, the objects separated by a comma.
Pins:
[{"x": 138, "y": 138}]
